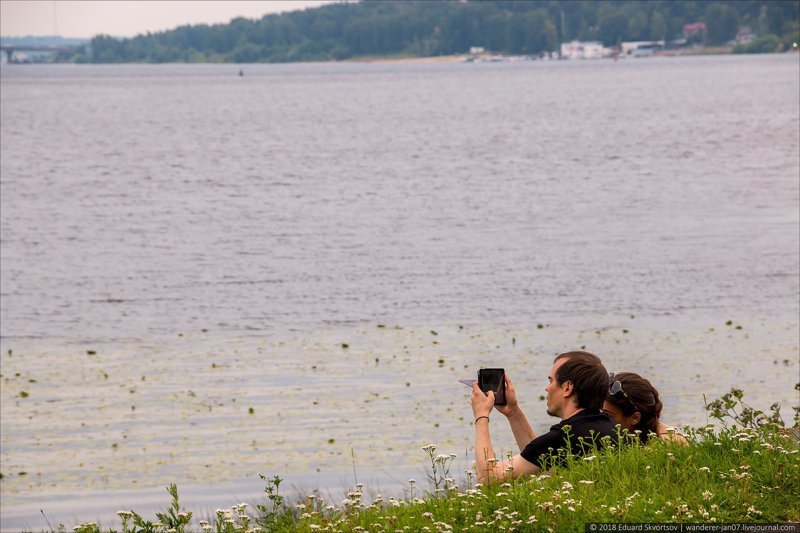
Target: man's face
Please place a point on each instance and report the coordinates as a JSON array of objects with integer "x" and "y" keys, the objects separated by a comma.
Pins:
[{"x": 555, "y": 392}]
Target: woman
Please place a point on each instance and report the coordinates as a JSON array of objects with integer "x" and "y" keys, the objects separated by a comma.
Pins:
[{"x": 633, "y": 403}]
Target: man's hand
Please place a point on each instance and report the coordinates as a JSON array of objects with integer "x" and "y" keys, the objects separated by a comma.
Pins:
[
  {"x": 511, "y": 405},
  {"x": 482, "y": 404}
]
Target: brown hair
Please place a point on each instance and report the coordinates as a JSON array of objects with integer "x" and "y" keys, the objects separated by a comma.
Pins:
[
  {"x": 588, "y": 376},
  {"x": 641, "y": 397}
]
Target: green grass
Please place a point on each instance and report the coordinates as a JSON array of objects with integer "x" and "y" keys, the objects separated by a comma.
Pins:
[{"x": 725, "y": 475}]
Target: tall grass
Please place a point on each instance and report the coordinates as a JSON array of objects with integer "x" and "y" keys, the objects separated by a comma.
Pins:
[{"x": 745, "y": 470}]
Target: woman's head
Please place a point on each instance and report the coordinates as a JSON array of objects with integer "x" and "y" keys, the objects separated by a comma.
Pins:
[{"x": 633, "y": 402}]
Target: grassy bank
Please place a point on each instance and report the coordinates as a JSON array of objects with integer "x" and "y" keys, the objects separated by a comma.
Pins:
[{"x": 748, "y": 471}]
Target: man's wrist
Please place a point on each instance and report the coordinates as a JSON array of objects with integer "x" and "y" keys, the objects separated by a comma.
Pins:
[{"x": 515, "y": 412}]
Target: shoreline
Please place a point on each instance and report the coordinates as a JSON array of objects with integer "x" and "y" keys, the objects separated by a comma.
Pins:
[{"x": 454, "y": 58}]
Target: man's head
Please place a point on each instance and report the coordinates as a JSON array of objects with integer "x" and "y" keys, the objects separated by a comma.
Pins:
[{"x": 578, "y": 379}]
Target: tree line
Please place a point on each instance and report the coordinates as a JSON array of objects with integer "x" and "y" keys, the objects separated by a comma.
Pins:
[{"x": 429, "y": 28}]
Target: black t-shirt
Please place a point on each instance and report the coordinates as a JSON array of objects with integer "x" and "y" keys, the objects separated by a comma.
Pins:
[{"x": 586, "y": 429}]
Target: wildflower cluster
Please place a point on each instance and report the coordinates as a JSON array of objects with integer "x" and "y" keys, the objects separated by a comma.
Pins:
[
  {"x": 88, "y": 527},
  {"x": 233, "y": 520},
  {"x": 440, "y": 469}
]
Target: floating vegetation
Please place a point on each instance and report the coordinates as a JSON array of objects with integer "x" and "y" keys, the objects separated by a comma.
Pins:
[{"x": 266, "y": 374}]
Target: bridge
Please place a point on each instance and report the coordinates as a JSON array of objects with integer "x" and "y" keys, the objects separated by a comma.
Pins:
[{"x": 11, "y": 49}]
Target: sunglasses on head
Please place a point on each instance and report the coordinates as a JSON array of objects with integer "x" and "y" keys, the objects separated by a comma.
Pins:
[{"x": 616, "y": 388}]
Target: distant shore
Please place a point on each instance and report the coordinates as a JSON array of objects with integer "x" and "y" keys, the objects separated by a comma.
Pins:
[
  {"x": 406, "y": 59},
  {"x": 456, "y": 58},
  {"x": 706, "y": 51},
  {"x": 459, "y": 58}
]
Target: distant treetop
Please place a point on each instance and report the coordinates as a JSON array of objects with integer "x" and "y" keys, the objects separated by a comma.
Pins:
[{"x": 431, "y": 28}]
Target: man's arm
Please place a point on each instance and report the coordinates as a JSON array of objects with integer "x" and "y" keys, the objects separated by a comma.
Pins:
[
  {"x": 523, "y": 432},
  {"x": 488, "y": 468},
  {"x": 520, "y": 427}
]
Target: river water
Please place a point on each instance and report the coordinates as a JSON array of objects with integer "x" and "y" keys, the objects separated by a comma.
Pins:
[{"x": 181, "y": 244}]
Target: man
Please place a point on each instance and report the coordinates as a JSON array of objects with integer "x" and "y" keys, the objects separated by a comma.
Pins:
[{"x": 578, "y": 384}]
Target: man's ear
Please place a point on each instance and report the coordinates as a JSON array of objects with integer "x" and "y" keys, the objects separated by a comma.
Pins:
[{"x": 569, "y": 389}]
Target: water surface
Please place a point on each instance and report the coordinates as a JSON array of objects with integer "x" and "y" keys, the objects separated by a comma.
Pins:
[{"x": 214, "y": 240}]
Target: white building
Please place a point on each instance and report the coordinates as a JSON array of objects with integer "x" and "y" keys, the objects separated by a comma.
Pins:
[
  {"x": 641, "y": 48},
  {"x": 584, "y": 50}
]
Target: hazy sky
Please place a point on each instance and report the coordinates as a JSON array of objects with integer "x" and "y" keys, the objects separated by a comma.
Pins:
[{"x": 127, "y": 18}]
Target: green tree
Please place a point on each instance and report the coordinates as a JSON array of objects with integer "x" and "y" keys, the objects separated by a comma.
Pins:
[
  {"x": 722, "y": 23},
  {"x": 613, "y": 28},
  {"x": 658, "y": 27},
  {"x": 418, "y": 27},
  {"x": 541, "y": 32}
]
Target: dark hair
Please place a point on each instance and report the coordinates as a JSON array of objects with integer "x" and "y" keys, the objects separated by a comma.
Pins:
[
  {"x": 588, "y": 376},
  {"x": 641, "y": 397}
]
